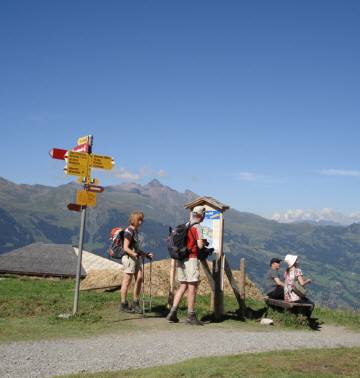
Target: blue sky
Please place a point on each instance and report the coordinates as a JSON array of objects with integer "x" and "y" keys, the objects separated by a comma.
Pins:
[{"x": 255, "y": 103}]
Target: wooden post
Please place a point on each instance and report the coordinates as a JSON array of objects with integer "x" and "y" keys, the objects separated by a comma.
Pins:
[
  {"x": 218, "y": 274},
  {"x": 234, "y": 286},
  {"x": 221, "y": 252},
  {"x": 242, "y": 283},
  {"x": 218, "y": 300},
  {"x": 208, "y": 274},
  {"x": 211, "y": 281},
  {"x": 172, "y": 282}
]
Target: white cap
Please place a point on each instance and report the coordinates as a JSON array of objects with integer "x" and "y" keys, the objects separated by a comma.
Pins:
[
  {"x": 290, "y": 260},
  {"x": 200, "y": 210}
]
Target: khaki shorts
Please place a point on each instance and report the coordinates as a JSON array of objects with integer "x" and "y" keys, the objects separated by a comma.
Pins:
[
  {"x": 131, "y": 265},
  {"x": 188, "y": 270}
]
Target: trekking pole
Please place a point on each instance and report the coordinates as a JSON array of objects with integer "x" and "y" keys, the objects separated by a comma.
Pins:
[
  {"x": 143, "y": 288},
  {"x": 150, "y": 300}
]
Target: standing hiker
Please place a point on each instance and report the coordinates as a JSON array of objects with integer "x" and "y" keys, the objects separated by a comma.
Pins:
[
  {"x": 132, "y": 263},
  {"x": 188, "y": 272}
]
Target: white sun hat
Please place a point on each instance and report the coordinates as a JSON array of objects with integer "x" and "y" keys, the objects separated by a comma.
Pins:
[
  {"x": 199, "y": 210},
  {"x": 290, "y": 260}
]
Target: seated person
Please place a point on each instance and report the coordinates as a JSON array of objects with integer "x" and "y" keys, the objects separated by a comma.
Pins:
[
  {"x": 292, "y": 274},
  {"x": 274, "y": 286}
]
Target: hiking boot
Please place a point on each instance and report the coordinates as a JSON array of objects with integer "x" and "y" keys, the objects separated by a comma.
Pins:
[
  {"x": 124, "y": 307},
  {"x": 136, "y": 307},
  {"x": 172, "y": 317},
  {"x": 193, "y": 320}
]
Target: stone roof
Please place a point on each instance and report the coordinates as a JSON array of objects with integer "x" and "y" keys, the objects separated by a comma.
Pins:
[{"x": 59, "y": 260}]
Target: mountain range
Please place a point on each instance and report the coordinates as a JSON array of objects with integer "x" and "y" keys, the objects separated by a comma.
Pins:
[
  {"x": 324, "y": 216},
  {"x": 329, "y": 254}
]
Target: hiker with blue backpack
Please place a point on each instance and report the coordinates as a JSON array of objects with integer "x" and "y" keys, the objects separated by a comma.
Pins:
[
  {"x": 188, "y": 265},
  {"x": 131, "y": 260}
]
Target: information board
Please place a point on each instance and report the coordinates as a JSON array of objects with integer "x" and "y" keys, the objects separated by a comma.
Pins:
[{"x": 211, "y": 229}]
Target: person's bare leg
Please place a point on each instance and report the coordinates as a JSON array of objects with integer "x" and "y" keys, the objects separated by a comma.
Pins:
[
  {"x": 192, "y": 319},
  {"x": 180, "y": 292},
  {"x": 137, "y": 287},
  {"x": 172, "y": 315},
  {"x": 123, "y": 292},
  {"x": 192, "y": 289},
  {"x": 125, "y": 286}
]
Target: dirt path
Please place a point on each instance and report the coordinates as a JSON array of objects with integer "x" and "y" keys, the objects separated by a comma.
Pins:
[{"x": 142, "y": 349}]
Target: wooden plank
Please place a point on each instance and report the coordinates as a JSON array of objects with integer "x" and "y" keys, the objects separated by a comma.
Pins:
[
  {"x": 208, "y": 275},
  {"x": 218, "y": 300},
  {"x": 242, "y": 278},
  {"x": 283, "y": 304},
  {"x": 211, "y": 281},
  {"x": 233, "y": 283}
]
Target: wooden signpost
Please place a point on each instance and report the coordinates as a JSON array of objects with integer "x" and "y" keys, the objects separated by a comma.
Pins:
[{"x": 79, "y": 162}]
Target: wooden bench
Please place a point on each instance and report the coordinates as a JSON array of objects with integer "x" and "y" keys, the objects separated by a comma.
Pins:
[
  {"x": 285, "y": 305},
  {"x": 297, "y": 308}
]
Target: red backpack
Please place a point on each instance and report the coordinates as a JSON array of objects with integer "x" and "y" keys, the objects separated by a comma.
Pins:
[{"x": 116, "y": 249}]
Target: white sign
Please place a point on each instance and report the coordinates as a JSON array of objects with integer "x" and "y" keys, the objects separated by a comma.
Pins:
[{"x": 211, "y": 229}]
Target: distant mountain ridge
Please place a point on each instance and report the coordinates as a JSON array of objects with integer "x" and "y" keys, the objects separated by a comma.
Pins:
[
  {"x": 329, "y": 254},
  {"x": 324, "y": 216}
]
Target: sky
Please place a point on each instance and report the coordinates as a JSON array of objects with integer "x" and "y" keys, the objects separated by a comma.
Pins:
[{"x": 256, "y": 103}]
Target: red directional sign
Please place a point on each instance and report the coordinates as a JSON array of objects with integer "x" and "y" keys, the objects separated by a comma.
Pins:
[
  {"x": 94, "y": 188},
  {"x": 57, "y": 153},
  {"x": 74, "y": 207}
]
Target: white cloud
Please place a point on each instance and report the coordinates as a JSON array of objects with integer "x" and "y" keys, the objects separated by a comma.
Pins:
[
  {"x": 339, "y": 172},
  {"x": 247, "y": 176},
  {"x": 126, "y": 175}
]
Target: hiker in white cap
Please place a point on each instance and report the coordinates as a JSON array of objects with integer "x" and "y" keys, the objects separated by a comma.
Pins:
[
  {"x": 188, "y": 270},
  {"x": 294, "y": 290}
]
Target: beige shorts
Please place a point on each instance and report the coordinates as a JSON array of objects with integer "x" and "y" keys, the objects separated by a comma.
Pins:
[
  {"x": 188, "y": 270},
  {"x": 131, "y": 265}
]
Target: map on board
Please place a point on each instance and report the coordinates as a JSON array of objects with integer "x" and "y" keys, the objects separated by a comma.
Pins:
[{"x": 211, "y": 228}]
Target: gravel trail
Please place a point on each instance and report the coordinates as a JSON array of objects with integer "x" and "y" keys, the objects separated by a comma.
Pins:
[{"x": 142, "y": 349}]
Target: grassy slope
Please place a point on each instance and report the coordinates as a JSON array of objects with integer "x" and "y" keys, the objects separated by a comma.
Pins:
[
  {"x": 29, "y": 309},
  {"x": 309, "y": 363}
]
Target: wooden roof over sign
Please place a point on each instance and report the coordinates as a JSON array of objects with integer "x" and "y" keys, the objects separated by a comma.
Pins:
[{"x": 210, "y": 201}]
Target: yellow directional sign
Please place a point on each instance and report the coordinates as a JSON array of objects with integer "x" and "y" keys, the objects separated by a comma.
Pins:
[
  {"x": 77, "y": 164},
  {"x": 102, "y": 162},
  {"x": 75, "y": 171},
  {"x": 84, "y": 139},
  {"x": 85, "y": 198}
]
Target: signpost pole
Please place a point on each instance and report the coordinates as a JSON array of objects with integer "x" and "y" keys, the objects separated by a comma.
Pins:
[
  {"x": 79, "y": 162},
  {"x": 78, "y": 268}
]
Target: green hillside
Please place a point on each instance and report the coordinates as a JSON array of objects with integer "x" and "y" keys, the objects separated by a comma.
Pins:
[{"x": 329, "y": 254}]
